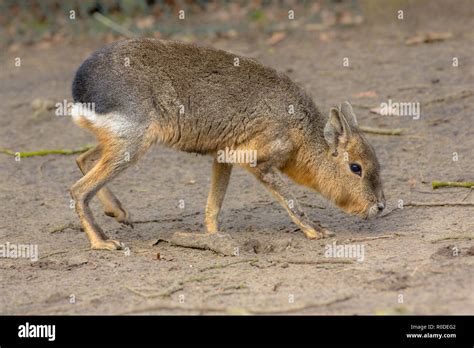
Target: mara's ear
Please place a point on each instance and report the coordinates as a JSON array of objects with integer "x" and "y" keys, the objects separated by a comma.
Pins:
[
  {"x": 336, "y": 130},
  {"x": 346, "y": 109}
]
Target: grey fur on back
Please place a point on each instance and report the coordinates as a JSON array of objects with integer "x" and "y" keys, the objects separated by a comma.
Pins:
[{"x": 224, "y": 104}]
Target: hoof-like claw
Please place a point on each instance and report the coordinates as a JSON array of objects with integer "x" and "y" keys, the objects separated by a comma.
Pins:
[
  {"x": 312, "y": 234},
  {"x": 327, "y": 233},
  {"x": 108, "y": 244},
  {"x": 316, "y": 233},
  {"x": 127, "y": 222},
  {"x": 122, "y": 217}
]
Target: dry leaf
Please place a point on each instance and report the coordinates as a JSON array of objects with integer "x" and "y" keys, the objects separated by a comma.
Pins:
[
  {"x": 368, "y": 94},
  {"x": 327, "y": 36},
  {"x": 276, "y": 38},
  {"x": 145, "y": 22},
  {"x": 428, "y": 38}
]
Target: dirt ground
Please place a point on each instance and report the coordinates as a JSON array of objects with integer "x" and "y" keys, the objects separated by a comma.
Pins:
[{"x": 418, "y": 260}]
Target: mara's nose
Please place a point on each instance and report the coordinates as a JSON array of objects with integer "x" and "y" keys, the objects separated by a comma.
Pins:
[{"x": 380, "y": 206}]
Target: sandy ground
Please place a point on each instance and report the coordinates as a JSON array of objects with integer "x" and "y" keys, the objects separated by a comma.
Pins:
[{"x": 417, "y": 260}]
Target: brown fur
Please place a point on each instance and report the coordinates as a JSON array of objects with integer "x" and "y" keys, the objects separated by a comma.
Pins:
[{"x": 329, "y": 175}]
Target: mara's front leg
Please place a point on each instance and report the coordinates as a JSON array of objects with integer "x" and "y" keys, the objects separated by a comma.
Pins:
[
  {"x": 272, "y": 180},
  {"x": 212, "y": 240},
  {"x": 219, "y": 182}
]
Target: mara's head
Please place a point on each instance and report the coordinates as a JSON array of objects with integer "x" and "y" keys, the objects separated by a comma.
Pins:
[{"x": 355, "y": 184}]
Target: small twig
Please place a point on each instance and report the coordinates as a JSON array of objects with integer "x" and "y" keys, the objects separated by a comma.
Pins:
[
  {"x": 171, "y": 291},
  {"x": 414, "y": 271},
  {"x": 467, "y": 195},
  {"x": 256, "y": 264},
  {"x": 308, "y": 205},
  {"x": 376, "y": 237},
  {"x": 54, "y": 253},
  {"x": 463, "y": 236},
  {"x": 111, "y": 24},
  {"x": 437, "y": 204},
  {"x": 64, "y": 227},
  {"x": 218, "y": 243},
  {"x": 438, "y": 184},
  {"x": 317, "y": 261},
  {"x": 429, "y": 192},
  {"x": 204, "y": 309},
  {"x": 301, "y": 308},
  {"x": 219, "y": 266},
  {"x": 136, "y": 292},
  {"x": 451, "y": 97},
  {"x": 264, "y": 203},
  {"x": 157, "y": 220},
  {"x": 167, "y": 293},
  {"x": 228, "y": 291},
  {"x": 382, "y": 131},
  {"x": 405, "y": 88},
  {"x": 45, "y": 152},
  {"x": 362, "y": 106}
]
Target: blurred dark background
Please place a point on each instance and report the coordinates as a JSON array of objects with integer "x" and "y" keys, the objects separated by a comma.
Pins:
[{"x": 52, "y": 21}]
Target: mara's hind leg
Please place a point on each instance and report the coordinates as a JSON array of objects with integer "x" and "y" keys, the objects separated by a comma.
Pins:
[
  {"x": 112, "y": 206},
  {"x": 113, "y": 160},
  {"x": 219, "y": 182}
]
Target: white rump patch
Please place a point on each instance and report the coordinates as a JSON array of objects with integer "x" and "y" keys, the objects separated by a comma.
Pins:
[{"x": 114, "y": 122}]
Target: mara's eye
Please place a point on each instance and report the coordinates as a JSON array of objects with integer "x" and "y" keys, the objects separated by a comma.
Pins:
[{"x": 355, "y": 168}]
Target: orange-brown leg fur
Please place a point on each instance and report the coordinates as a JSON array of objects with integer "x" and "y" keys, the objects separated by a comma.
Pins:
[
  {"x": 116, "y": 154},
  {"x": 219, "y": 182},
  {"x": 112, "y": 206}
]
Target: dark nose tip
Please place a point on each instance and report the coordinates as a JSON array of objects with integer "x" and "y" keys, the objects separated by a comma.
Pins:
[{"x": 380, "y": 206}]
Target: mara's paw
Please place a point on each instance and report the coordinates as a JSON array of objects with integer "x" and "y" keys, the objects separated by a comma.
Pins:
[
  {"x": 309, "y": 231},
  {"x": 316, "y": 233},
  {"x": 322, "y": 233},
  {"x": 107, "y": 244},
  {"x": 121, "y": 216},
  {"x": 312, "y": 234},
  {"x": 327, "y": 233}
]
